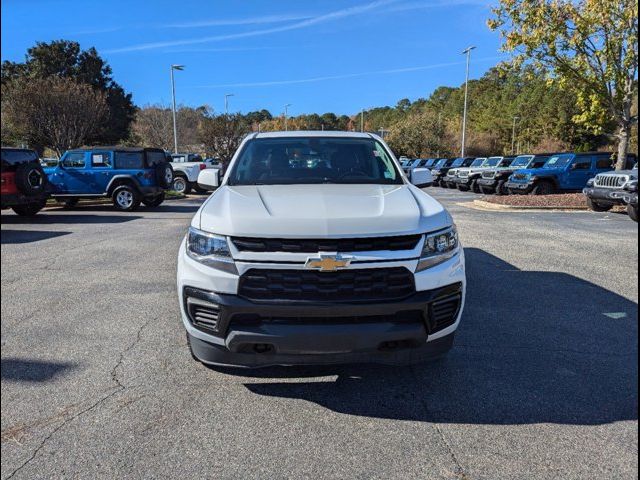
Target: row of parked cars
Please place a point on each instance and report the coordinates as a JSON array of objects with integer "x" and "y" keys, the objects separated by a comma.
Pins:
[
  {"x": 540, "y": 174},
  {"x": 129, "y": 176}
]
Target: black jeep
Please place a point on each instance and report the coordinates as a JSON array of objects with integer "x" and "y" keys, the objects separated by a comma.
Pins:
[{"x": 24, "y": 183}]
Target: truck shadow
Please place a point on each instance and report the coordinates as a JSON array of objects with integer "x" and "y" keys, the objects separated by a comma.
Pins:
[
  {"x": 32, "y": 371},
  {"x": 533, "y": 347},
  {"x": 8, "y": 237},
  {"x": 49, "y": 217}
]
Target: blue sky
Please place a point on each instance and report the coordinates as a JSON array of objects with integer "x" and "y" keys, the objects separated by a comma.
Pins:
[{"x": 319, "y": 56}]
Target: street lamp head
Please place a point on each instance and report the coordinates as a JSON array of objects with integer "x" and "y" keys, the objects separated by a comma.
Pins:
[
  {"x": 467, "y": 50},
  {"x": 177, "y": 67}
]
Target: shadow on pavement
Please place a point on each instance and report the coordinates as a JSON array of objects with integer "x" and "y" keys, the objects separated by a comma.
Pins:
[
  {"x": 21, "y": 370},
  {"x": 27, "y": 236},
  {"x": 533, "y": 347},
  {"x": 45, "y": 217}
]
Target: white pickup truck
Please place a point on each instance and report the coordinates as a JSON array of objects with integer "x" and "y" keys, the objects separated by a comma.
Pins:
[
  {"x": 186, "y": 168},
  {"x": 339, "y": 258}
]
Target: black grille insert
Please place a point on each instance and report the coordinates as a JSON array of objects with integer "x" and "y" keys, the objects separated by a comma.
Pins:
[
  {"x": 409, "y": 316},
  {"x": 362, "y": 285},
  {"x": 407, "y": 242},
  {"x": 203, "y": 314},
  {"x": 444, "y": 312}
]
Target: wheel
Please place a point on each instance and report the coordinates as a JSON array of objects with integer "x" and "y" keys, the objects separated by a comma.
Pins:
[
  {"x": 463, "y": 188},
  {"x": 29, "y": 209},
  {"x": 30, "y": 178},
  {"x": 452, "y": 186},
  {"x": 500, "y": 189},
  {"x": 598, "y": 207},
  {"x": 125, "y": 198},
  {"x": 633, "y": 212},
  {"x": 155, "y": 201},
  {"x": 181, "y": 185},
  {"x": 164, "y": 174},
  {"x": 544, "y": 188},
  {"x": 70, "y": 203},
  {"x": 484, "y": 190},
  {"x": 475, "y": 187}
]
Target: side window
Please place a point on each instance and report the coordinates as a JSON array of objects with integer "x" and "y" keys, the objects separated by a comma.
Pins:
[
  {"x": 74, "y": 160},
  {"x": 604, "y": 162},
  {"x": 101, "y": 159},
  {"x": 128, "y": 160},
  {"x": 582, "y": 163}
]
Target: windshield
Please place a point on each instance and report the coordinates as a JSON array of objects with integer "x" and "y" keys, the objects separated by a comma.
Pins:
[
  {"x": 478, "y": 162},
  {"x": 313, "y": 160},
  {"x": 558, "y": 161},
  {"x": 492, "y": 162},
  {"x": 458, "y": 162},
  {"x": 440, "y": 163},
  {"x": 522, "y": 161}
]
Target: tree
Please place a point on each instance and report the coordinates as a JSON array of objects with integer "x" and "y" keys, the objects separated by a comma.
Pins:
[
  {"x": 223, "y": 134},
  {"x": 63, "y": 58},
  {"x": 587, "y": 45},
  {"x": 53, "y": 112},
  {"x": 153, "y": 126},
  {"x": 416, "y": 136}
]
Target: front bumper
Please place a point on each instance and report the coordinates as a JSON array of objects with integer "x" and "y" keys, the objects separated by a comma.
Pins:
[
  {"x": 631, "y": 199},
  {"x": 488, "y": 182},
  {"x": 252, "y": 334},
  {"x": 608, "y": 195},
  {"x": 517, "y": 187}
]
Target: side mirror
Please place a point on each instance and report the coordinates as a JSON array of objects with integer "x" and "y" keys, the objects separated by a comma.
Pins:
[
  {"x": 421, "y": 177},
  {"x": 209, "y": 178}
]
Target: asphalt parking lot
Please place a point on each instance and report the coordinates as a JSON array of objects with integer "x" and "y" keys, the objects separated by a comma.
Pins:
[{"x": 97, "y": 380}]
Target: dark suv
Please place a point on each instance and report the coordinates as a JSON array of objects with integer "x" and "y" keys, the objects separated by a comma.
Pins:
[
  {"x": 24, "y": 183},
  {"x": 127, "y": 175}
]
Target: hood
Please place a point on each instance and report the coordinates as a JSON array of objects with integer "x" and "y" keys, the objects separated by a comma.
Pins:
[
  {"x": 539, "y": 171},
  {"x": 320, "y": 211},
  {"x": 623, "y": 173}
]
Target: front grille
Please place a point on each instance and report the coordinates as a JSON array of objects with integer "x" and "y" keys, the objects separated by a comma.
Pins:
[
  {"x": 489, "y": 175},
  {"x": 203, "y": 314},
  {"x": 251, "y": 319},
  {"x": 407, "y": 242},
  {"x": 610, "y": 181},
  {"x": 361, "y": 285},
  {"x": 444, "y": 312},
  {"x": 464, "y": 174}
]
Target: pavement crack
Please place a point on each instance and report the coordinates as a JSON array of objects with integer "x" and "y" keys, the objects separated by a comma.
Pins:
[
  {"x": 458, "y": 469},
  {"x": 117, "y": 389}
]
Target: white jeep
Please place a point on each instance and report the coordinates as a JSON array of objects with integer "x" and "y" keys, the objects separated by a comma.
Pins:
[{"x": 316, "y": 249}]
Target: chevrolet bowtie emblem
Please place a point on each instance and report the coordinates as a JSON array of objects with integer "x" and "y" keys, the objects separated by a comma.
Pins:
[{"x": 328, "y": 263}]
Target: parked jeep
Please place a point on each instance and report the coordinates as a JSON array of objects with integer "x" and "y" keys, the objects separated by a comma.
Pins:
[
  {"x": 449, "y": 179},
  {"x": 467, "y": 178},
  {"x": 24, "y": 183},
  {"x": 631, "y": 199},
  {"x": 608, "y": 189},
  {"x": 127, "y": 175},
  {"x": 440, "y": 169},
  {"x": 495, "y": 179},
  {"x": 563, "y": 172}
]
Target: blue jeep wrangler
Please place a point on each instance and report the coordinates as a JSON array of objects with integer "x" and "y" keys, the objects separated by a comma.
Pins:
[
  {"x": 563, "y": 172},
  {"x": 127, "y": 175}
]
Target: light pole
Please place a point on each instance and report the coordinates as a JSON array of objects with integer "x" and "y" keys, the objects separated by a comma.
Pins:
[
  {"x": 173, "y": 96},
  {"x": 226, "y": 102},
  {"x": 382, "y": 131},
  {"x": 362, "y": 120},
  {"x": 513, "y": 135},
  {"x": 286, "y": 113},
  {"x": 466, "y": 52}
]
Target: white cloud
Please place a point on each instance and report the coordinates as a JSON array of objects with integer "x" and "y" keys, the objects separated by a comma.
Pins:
[
  {"x": 335, "y": 15},
  {"x": 221, "y": 22}
]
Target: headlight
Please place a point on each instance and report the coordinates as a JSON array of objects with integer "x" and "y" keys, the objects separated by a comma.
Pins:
[
  {"x": 438, "y": 247},
  {"x": 591, "y": 182},
  {"x": 622, "y": 181},
  {"x": 209, "y": 249}
]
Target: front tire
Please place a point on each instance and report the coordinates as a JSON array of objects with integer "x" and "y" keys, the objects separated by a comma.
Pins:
[
  {"x": 633, "y": 212},
  {"x": 598, "y": 207},
  {"x": 28, "y": 210},
  {"x": 155, "y": 201},
  {"x": 181, "y": 185},
  {"x": 544, "y": 188},
  {"x": 500, "y": 189},
  {"x": 125, "y": 198}
]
